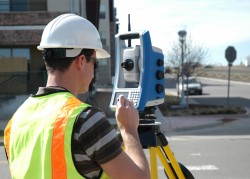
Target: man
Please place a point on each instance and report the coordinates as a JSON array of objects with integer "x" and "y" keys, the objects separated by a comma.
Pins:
[{"x": 55, "y": 135}]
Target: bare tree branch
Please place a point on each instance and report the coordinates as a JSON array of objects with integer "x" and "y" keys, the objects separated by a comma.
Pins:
[{"x": 194, "y": 56}]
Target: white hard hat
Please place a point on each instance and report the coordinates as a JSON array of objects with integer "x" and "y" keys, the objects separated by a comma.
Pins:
[{"x": 73, "y": 33}]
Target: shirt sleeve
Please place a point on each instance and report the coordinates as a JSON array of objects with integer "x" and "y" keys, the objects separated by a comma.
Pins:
[{"x": 96, "y": 136}]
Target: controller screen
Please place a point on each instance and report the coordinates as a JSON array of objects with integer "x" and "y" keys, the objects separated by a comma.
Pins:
[{"x": 117, "y": 94}]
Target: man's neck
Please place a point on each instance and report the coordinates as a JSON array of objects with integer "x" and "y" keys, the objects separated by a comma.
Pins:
[{"x": 62, "y": 81}]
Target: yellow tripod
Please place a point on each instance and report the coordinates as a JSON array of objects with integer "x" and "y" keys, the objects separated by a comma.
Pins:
[{"x": 153, "y": 139}]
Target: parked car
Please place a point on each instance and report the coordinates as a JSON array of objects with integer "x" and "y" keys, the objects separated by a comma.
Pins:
[{"x": 191, "y": 86}]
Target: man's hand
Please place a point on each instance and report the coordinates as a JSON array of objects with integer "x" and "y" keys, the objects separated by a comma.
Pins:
[
  {"x": 132, "y": 162},
  {"x": 126, "y": 115}
]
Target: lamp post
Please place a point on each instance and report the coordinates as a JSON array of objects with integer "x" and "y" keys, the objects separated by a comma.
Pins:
[{"x": 182, "y": 37}]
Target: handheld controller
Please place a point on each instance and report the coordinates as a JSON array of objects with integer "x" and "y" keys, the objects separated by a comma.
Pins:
[{"x": 139, "y": 73}]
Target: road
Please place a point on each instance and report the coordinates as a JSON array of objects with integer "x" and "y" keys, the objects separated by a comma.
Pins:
[
  {"x": 206, "y": 156},
  {"x": 219, "y": 152},
  {"x": 214, "y": 157},
  {"x": 4, "y": 168},
  {"x": 215, "y": 92}
]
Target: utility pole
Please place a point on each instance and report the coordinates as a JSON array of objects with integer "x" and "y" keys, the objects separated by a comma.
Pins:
[{"x": 182, "y": 37}]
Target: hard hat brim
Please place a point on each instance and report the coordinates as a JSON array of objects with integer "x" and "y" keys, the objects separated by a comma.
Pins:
[{"x": 101, "y": 53}]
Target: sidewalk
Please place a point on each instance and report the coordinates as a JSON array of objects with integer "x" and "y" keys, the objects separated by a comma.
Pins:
[{"x": 184, "y": 123}]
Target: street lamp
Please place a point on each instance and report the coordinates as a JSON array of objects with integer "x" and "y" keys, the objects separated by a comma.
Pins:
[{"x": 182, "y": 37}]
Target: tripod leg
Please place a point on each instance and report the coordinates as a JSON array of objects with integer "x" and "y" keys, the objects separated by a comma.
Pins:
[
  {"x": 169, "y": 171},
  {"x": 172, "y": 160},
  {"x": 153, "y": 163}
]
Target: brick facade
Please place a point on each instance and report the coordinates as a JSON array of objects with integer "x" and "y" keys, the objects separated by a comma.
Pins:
[
  {"x": 20, "y": 37},
  {"x": 27, "y": 18},
  {"x": 23, "y": 37}
]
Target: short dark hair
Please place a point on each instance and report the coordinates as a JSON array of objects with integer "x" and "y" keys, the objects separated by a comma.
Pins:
[{"x": 62, "y": 64}]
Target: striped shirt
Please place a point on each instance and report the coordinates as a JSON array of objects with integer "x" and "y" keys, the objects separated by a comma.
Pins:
[{"x": 94, "y": 139}]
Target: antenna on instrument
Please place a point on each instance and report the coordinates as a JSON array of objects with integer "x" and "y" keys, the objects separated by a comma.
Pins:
[{"x": 129, "y": 29}]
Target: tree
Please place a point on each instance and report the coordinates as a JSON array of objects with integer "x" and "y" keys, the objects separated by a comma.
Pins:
[{"x": 194, "y": 56}]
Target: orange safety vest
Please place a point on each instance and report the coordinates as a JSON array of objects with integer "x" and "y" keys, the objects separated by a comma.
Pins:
[{"x": 38, "y": 137}]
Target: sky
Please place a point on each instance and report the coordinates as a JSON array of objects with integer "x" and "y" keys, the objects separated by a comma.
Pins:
[{"x": 213, "y": 24}]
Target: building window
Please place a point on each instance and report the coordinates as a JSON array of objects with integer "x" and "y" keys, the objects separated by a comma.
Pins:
[
  {"x": 5, "y": 52},
  {"x": 102, "y": 12},
  {"x": 4, "y": 5},
  {"x": 21, "y": 52},
  {"x": 23, "y": 5},
  {"x": 19, "y": 5},
  {"x": 15, "y": 52},
  {"x": 103, "y": 38}
]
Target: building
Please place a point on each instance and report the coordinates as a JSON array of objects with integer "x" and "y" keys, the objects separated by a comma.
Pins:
[
  {"x": 247, "y": 62},
  {"x": 21, "y": 25}
]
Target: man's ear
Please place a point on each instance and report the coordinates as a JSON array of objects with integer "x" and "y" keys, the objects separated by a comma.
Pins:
[{"x": 80, "y": 61}]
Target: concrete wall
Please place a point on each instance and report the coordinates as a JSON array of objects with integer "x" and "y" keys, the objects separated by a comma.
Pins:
[{"x": 58, "y": 5}]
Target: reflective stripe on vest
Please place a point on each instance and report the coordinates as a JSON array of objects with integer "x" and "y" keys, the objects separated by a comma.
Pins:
[{"x": 38, "y": 137}]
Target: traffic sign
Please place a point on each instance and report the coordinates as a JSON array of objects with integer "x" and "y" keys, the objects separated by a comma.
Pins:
[{"x": 230, "y": 54}]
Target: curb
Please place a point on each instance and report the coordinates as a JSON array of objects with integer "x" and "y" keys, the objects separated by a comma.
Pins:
[
  {"x": 217, "y": 79},
  {"x": 204, "y": 126},
  {"x": 217, "y": 120}
]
